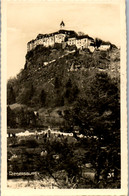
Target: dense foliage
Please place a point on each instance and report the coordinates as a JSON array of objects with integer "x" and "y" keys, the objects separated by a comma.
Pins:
[
  {"x": 38, "y": 85},
  {"x": 78, "y": 92},
  {"x": 64, "y": 159}
]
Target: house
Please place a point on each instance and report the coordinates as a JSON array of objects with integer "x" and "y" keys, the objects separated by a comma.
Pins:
[{"x": 104, "y": 46}]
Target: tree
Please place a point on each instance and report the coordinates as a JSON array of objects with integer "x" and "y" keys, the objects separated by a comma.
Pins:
[
  {"x": 98, "y": 42},
  {"x": 26, "y": 94},
  {"x": 22, "y": 120},
  {"x": 57, "y": 83},
  {"x": 60, "y": 100},
  {"x": 11, "y": 122},
  {"x": 11, "y": 98},
  {"x": 69, "y": 84},
  {"x": 71, "y": 92},
  {"x": 81, "y": 33},
  {"x": 99, "y": 112},
  {"x": 43, "y": 97},
  {"x": 100, "y": 109}
]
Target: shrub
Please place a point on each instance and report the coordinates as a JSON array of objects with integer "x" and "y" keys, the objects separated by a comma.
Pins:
[{"x": 31, "y": 143}]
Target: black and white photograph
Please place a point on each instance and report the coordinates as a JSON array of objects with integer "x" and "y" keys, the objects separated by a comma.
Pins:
[{"x": 65, "y": 98}]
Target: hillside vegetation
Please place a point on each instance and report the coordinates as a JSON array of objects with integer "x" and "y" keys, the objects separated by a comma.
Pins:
[
  {"x": 71, "y": 91},
  {"x": 56, "y": 79}
]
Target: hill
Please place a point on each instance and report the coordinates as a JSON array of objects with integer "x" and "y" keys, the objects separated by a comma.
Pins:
[
  {"x": 55, "y": 78},
  {"x": 67, "y": 101}
]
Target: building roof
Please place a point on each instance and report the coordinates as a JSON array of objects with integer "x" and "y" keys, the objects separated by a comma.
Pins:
[
  {"x": 32, "y": 41},
  {"x": 68, "y": 33},
  {"x": 61, "y": 31},
  {"x": 82, "y": 36},
  {"x": 105, "y": 43},
  {"x": 85, "y": 36},
  {"x": 72, "y": 37}
]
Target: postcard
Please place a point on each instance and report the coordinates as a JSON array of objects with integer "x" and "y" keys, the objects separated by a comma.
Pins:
[{"x": 63, "y": 98}]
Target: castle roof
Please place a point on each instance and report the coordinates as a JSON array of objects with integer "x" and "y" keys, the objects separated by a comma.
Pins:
[
  {"x": 61, "y": 31},
  {"x": 91, "y": 38},
  {"x": 68, "y": 33},
  {"x": 84, "y": 36},
  {"x": 32, "y": 41},
  {"x": 105, "y": 43}
]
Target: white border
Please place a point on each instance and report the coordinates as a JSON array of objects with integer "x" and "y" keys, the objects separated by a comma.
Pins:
[{"x": 124, "y": 172}]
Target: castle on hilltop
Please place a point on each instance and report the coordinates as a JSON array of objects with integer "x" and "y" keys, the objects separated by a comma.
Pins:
[{"x": 66, "y": 37}]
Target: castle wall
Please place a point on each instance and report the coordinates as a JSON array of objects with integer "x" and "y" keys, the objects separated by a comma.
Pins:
[
  {"x": 51, "y": 39},
  {"x": 82, "y": 43},
  {"x": 104, "y": 47},
  {"x": 91, "y": 48},
  {"x": 71, "y": 41},
  {"x": 30, "y": 46},
  {"x": 90, "y": 41},
  {"x": 40, "y": 41},
  {"x": 59, "y": 38},
  {"x": 45, "y": 41}
]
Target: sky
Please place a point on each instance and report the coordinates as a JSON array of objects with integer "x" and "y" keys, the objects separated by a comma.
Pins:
[{"x": 25, "y": 20}]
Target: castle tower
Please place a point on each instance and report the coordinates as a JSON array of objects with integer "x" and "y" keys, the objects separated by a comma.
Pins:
[{"x": 62, "y": 25}]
